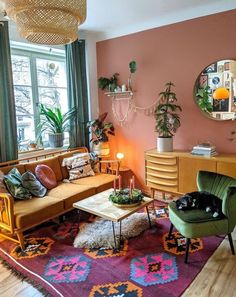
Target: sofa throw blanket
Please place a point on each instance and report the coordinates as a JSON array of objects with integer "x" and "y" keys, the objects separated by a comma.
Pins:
[{"x": 78, "y": 166}]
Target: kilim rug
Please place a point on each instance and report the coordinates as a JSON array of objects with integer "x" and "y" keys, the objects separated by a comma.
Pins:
[{"x": 148, "y": 265}]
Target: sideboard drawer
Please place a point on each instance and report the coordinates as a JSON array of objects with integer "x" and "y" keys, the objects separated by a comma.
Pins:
[{"x": 162, "y": 172}]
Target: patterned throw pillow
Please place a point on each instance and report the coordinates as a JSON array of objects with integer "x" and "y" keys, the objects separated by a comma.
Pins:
[
  {"x": 78, "y": 166},
  {"x": 94, "y": 161},
  {"x": 46, "y": 176},
  {"x": 13, "y": 182},
  {"x": 30, "y": 182}
]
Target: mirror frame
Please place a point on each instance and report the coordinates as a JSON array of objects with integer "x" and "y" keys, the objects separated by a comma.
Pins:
[{"x": 195, "y": 90}]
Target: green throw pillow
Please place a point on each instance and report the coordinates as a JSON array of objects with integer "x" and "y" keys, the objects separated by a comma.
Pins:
[
  {"x": 31, "y": 183},
  {"x": 13, "y": 182}
]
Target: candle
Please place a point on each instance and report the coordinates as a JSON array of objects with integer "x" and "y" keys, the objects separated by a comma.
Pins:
[
  {"x": 130, "y": 188},
  {"x": 133, "y": 182},
  {"x": 119, "y": 182},
  {"x": 114, "y": 185}
]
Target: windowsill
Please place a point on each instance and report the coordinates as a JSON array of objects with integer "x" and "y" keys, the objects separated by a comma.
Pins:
[{"x": 40, "y": 152}]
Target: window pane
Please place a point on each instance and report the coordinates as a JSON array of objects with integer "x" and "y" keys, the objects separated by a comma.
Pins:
[
  {"x": 24, "y": 114},
  {"x": 21, "y": 70},
  {"x": 51, "y": 73},
  {"x": 54, "y": 97}
]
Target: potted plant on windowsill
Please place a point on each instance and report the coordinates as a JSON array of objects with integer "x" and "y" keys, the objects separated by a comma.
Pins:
[
  {"x": 55, "y": 123},
  {"x": 167, "y": 119},
  {"x": 100, "y": 131}
]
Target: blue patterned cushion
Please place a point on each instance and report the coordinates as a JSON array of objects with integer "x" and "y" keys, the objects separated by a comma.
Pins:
[
  {"x": 13, "y": 183},
  {"x": 31, "y": 183}
]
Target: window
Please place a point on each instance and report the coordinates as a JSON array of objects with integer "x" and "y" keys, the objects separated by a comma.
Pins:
[{"x": 38, "y": 78}]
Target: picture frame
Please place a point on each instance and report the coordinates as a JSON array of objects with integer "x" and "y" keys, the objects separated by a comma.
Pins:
[{"x": 211, "y": 68}]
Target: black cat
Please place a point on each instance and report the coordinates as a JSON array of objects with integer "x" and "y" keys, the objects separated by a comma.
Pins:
[{"x": 201, "y": 200}]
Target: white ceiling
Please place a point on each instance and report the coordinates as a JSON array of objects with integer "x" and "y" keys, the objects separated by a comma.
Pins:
[{"x": 112, "y": 18}]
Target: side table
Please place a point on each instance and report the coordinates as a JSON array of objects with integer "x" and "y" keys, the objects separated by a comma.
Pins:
[{"x": 126, "y": 174}]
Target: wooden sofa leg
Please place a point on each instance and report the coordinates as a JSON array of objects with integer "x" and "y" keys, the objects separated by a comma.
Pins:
[
  {"x": 21, "y": 240},
  {"x": 188, "y": 241},
  {"x": 231, "y": 243}
]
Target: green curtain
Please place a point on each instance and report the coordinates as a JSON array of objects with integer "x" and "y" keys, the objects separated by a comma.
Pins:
[
  {"x": 8, "y": 132},
  {"x": 77, "y": 91}
]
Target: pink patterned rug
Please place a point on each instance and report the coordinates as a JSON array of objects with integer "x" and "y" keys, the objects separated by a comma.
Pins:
[{"x": 149, "y": 265}]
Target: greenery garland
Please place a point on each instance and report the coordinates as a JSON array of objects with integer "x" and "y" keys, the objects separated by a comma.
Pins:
[{"x": 122, "y": 196}]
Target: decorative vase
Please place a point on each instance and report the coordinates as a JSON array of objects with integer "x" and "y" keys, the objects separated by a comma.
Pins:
[
  {"x": 56, "y": 140},
  {"x": 165, "y": 144},
  {"x": 101, "y": 149}
]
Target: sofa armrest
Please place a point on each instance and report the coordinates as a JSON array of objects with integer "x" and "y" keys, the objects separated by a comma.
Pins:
[
  {"x": 109, "y": 166},
  {"x": 7, "y": 212}
]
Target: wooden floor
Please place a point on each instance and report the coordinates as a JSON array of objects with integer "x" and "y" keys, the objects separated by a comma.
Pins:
[{"x": 217, "y": 279}]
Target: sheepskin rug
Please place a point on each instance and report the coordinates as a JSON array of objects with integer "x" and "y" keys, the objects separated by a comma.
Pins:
[{"x": 99, "y": 234}]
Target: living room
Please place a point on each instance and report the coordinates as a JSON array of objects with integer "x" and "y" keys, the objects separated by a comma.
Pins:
[{"x": 176, "y": 42}]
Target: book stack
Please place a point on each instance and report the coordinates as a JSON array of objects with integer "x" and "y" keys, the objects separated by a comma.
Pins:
[{"x": 204, "y": 150}]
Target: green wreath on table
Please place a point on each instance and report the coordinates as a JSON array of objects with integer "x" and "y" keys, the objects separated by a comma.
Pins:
[{"x": 123, "y": 197}]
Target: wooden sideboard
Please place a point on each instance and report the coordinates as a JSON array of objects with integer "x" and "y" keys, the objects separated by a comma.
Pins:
[{"x": 176, "y": 172}]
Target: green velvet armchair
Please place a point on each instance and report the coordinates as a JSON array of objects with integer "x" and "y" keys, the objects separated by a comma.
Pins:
[{"x": 198, "y": 223}]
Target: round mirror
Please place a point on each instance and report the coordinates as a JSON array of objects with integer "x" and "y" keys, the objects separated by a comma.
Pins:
[{"x": 215, "y": 90}]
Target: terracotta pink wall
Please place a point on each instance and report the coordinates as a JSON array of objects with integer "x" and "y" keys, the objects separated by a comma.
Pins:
[{"x": 174, "y": 53}]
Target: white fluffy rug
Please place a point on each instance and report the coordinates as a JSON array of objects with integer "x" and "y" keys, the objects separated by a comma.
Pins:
[{"x": 99, "y": 233}]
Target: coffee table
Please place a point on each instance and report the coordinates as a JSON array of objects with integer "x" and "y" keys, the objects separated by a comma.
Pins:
[{"x": 100, "y": 205}]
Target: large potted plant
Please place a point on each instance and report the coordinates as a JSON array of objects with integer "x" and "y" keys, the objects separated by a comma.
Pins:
[
  {"x": 55, "y": 123},
  {"x": 100, "y": 131},
  {"x": 167, "y": 119}
]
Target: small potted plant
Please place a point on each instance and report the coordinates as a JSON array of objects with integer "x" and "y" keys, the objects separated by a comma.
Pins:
[
  {"x": 167, "y": 119},
  {"x": 55, "y": 123},
  {"x": 32, "y": 145},
  {"x": 132, "y": 70},
  {"x": 100, "y": 132},
  {"x": 108, "y": 84}
]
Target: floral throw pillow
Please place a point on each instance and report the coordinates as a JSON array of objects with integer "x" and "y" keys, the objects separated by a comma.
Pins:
[
  {"x": 13, "y": 181},
  {"x": 31, "y": 183},
  {"x": 78, "y": 166}
]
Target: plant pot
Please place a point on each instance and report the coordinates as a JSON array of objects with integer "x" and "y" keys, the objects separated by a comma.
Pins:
[
  {"x": 101, "y": 149},
  {"x": 165, "y": 144},
  {"x": 56, "y": 140}
]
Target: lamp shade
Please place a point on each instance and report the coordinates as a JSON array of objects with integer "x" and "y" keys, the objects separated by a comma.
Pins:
[
  {"x": 221, "y": 93},
  {"x": 47, "y": 21}
]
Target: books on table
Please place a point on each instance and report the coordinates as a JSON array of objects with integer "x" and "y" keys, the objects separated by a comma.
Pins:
[{"x": 201, "y": 150}]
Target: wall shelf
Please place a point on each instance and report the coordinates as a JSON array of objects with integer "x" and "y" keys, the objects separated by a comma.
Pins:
[{"x": 120, "y": 95}]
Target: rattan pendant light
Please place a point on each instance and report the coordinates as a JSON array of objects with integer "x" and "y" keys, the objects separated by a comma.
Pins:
[{"x": 47, "y": 21}]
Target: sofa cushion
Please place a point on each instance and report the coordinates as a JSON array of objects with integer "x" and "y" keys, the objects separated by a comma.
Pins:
[
  {"x": 100, "y": 181},
  {"x": 31, "y": 183},
  {"x": 78, "y": 166},
  {"x": 46, "y": 176},
  {"x": 20, "y": 167},
  {"x": 65, "y": 173},
  {"x": 70, "y": 193},
  {"x": 53, "y": 163},
  {"x": 35, "y": 211},
  {"x": 13, "y": 182}
]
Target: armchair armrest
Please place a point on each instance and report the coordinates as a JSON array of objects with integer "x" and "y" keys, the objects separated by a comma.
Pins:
[
  {"x": 7, "y": 212},
  {"x": 109, "y": 166}
]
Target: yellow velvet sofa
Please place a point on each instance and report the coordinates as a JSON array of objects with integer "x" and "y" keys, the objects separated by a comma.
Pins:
[{"x": 16, "y": 216}]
